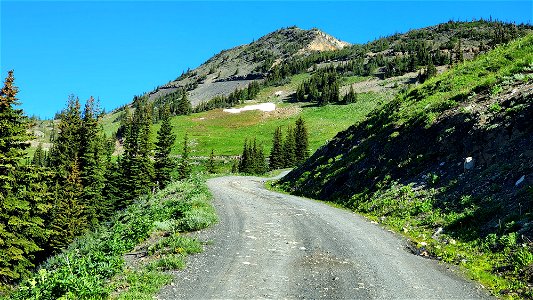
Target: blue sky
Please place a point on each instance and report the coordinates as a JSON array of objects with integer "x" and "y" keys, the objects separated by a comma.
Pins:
[{"x": 115, "y": 50}]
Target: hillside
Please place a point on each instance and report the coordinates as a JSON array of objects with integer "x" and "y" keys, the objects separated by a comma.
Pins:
[
  {"x": 406, "y": 166},
  {"x": 283, "y": 60},
  {"x": 237, "y": 67}
]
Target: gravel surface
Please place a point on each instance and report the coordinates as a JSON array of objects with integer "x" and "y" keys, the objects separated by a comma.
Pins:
[{"x": 276, "y": 246}]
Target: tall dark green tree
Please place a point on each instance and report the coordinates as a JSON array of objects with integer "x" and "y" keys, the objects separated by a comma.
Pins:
[
  {"x": 289, "y": 149},
  {"x": 39, "y": 156},
  {"x": 276, "y": 154},
  {"x": 301, "y": 141},
  {"x": 136, "y": 167},
  {"x": 67, "y": 142},
  {"x": 350, "y": 97},
  {"x": 164, "y": 165},
  {"x": 69, "y": 219},
  {"x": 184, "y": 168},
  {"x": 92, "y": 162},
  {"x": 211, "y": 167},
  {"x": 184, "y": 105},
  {"x": 21, "y": 211}
]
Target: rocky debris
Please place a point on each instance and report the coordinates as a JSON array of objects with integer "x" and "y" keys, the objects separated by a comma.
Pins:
[
  {"x": 468, "y": 163},
  {"x": 519, "y": 181}
]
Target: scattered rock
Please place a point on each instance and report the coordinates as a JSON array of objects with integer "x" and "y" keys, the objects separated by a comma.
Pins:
[
  {"x": 437, "y": 233},
  {"x": 468, "y": 164},
  {"x": 519, "y": 181}
]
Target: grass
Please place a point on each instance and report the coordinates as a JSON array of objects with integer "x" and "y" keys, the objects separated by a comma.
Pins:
[
  {"x": 226, "y": 132},
  {"x": 94, "y": 267}
]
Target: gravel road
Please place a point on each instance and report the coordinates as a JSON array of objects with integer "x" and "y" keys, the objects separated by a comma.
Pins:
[{"x": 276, "y": 246}]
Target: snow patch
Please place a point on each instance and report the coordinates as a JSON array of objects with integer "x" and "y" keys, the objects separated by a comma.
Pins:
[{"x": 262, "y": 107}]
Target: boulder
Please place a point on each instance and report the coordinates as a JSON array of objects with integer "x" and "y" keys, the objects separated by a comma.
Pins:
[{"x": 468, "y": 163}]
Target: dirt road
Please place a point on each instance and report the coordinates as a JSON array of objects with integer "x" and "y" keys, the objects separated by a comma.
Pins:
[{"x": 270, "y": 245}]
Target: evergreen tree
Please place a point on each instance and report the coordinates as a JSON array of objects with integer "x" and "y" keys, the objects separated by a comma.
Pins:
[
  {"x": 39, "y": 156},
  {"x": 289, "y": 155},
  {"x": 21, "y": 207},
  {"x": 69, "y": 218},
  {"x": 301, "y": 141},
  {"x": 184, "y": 169},
  {"x": 184, "y": 105},
  {"x": 92, "y": 161},
  {"x": 164, "y": 165},
  {"x": 350, "y": 97},
  {"x": 259, "y": 164},
  {"x": 136, "y": 167},
  {"x": 276, "y": 154},
  {"x": 67, "y": 142},
  {"x": 244, "y": 162},
  {"x": 211, "y": 168}
]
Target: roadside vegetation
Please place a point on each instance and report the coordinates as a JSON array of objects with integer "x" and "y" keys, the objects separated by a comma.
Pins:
[
  {"x": 408, "y": 162},
  {"x": 127, "y": 257}
]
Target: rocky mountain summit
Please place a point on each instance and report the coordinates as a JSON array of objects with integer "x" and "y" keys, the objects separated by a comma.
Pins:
[{"x": 237, "y": 67}]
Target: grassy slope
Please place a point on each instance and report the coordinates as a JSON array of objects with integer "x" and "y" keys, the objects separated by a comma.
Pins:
[
  {"x": 225, "y": 132},
  {"x": 405, "y": 160},
  {"x": 96, "y": 266}
]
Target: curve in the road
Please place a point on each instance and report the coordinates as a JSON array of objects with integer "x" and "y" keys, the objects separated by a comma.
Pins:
[{"x": 276, "y": 246}]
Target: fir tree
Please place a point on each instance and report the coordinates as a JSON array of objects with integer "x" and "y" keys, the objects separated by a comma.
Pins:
[
  {"x": 21, "y": 207},
  {"x": 301, "y": 141},
  {"x": 39, "y": 156},
  {"x": 289, "y": 155},
  {"x": 164, "y": 165},
  {"x": 350, "y": 97},
  {"x": 69, "y": 218},
  {"x": 92, "y": 161},
  {"x": 67, "y": 142},
  {"x": 136, "y": 167},
  {"x": 276, "y": 154},
  {"x": 211, "y": 167},
  {"x": 184, "y": 169},
  {"x": 184, "y": 105},
  {"x": 244, "y": 161}
]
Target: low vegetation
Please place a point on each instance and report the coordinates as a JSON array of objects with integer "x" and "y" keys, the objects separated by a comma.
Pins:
[{"x": 125, "y": 258}]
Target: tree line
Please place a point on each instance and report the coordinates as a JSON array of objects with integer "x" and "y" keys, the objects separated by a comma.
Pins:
[
  {"x": 287, "y": 152},
  {"x": 75, "y": 185}
]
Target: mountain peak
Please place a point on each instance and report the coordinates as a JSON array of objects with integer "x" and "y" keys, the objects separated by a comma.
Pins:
[{"x": 236, "y": 67}]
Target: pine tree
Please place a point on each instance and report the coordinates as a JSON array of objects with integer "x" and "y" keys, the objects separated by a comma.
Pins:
[
  {"x": 184, "y": 105},
  {"x": 289, "y": 155},
  {"x": 211, "y": 167},
  {"x": 164, "y": 165},
  {"x": 69, "y": 218},
  {"x": 244, "y": 161},
  {"x": 276, "y": 154},
  {"x": 39, "y": 156},
  {"x": 301, "y": 149},
  {"x": 136, "y": 167},
  {"x": 350, "y": 97},
  {"x": 68, "y": 140},
  {"x": 92, "y": 161},
  {"x": 260, "y": 165},
  {"x": 184, "y": 169},
  {"x": 21, "y": 207}
]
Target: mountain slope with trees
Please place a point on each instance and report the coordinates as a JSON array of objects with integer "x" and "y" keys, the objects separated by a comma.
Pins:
[{"x": 449, "y": 164}]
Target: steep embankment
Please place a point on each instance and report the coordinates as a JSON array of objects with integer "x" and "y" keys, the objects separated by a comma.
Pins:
[{"x": 404, "y": 164}]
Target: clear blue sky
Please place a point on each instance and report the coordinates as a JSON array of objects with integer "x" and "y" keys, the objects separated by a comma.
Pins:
[{"x": 115, "y": 50}]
